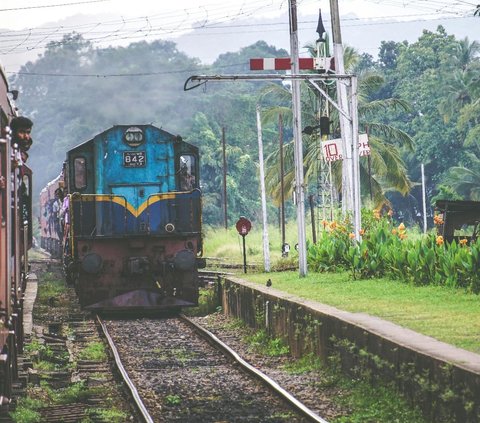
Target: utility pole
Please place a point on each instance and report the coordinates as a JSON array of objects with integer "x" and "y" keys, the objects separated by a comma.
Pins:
[
  {"x": 266, "y": 248},
  {"x": 297, "y": 139},
  {"x": 347, "y": 180},
  {"x": 424, "y": 200},
  {"x": 351, "y": 201},
  {"x": 282, "y": 182},
  {"x": 224, "y": 178}
]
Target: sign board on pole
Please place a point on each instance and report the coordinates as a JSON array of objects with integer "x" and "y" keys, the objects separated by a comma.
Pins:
[
  {"x": 332, "y": 149},
  {"x": 243, "y": 226},
  {"x": 363, "y": 146}
]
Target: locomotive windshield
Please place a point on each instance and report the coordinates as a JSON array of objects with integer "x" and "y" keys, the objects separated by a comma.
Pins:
[
  {"x": 187, "y": 172},
  {"x": 80, "y": 170}
]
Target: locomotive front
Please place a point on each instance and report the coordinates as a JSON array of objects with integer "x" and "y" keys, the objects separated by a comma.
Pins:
[{"x": 134, "y": 228}]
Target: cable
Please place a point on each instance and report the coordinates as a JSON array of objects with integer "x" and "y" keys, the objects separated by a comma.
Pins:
[
  {"x": 51, "y": 5},
  {"x": 97, "y": 75},
  {"x": 213, "y": 19},
  {"x": 10, "y": 45}
]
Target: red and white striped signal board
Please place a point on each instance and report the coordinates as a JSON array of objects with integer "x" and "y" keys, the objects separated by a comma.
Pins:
[{"x": 284, "y": 63}]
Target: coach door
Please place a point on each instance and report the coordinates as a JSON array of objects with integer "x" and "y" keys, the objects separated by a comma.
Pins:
[{"x": 5, "y": 226}]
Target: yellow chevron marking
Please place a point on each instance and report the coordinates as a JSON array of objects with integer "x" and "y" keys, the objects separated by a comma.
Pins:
[{"x": 124, "y": 203}]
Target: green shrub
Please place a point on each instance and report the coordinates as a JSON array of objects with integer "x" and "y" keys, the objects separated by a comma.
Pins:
[{"x": 394, "y": 251}]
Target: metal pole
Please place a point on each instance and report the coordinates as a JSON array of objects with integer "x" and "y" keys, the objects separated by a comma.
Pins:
[
  {"x": 266, "y": 251},
  {"x": 282, "y": 181},
  {"x": 424, "y": 200},
  {"x": 347, "y": 168},
  {"x": 357, "y": 216},
  {"x": 297, "y": 139},
  {"x": 224, "y": 178},
  {"x": 244, "y": 255},
  {"x": 369, "y": 171},
  {"x": 312, "y": 217}
]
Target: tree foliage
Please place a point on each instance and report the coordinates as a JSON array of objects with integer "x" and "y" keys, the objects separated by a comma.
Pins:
[{"x": 427, "y": 91}]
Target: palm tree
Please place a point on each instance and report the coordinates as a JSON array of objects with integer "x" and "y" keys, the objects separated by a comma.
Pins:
[
  {"x": 389, "y": 172},
  {"x": 466, "y": 52},
  {"x": 466, "y": 181},
  {"x": 458, "y": 93}
]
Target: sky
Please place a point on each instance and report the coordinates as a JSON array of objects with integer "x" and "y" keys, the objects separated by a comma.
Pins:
[
  {"x": 24, "y": 14},
  {"x": 28, "y": 25}
]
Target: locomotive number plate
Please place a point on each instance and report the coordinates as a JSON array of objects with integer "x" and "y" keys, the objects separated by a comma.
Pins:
[{"x": 134, "y": 158}]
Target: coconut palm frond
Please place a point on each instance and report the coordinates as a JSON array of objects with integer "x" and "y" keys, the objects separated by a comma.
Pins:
[
  {"x": 392, "y": 169},
  {"x": 350, "y": 57},
  {"x": 389, "y": 103},
  {"x": 372, "y": 188},
  {"x": 387, "y": 170},
  {"x": 391, "y": 135},
  {"x": 270, "y": 115},
  {"x": 466, "y": 181},
  {"x": 282, "y": 94},
  {"x": 370, "y": 82}
]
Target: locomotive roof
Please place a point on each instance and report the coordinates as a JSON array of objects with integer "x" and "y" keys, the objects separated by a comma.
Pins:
[
  {"x": 53, "y": 181},
  {"x": 127, "y": 126}
]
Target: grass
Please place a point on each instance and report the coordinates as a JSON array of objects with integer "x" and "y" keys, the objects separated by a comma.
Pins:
[
  {"x": 94, "y": 351},
  {"x": 373, "y": 404},
  {"x": 261, "y": 343},
  {"x": 357, "y": 399},
  {"x": 449, "y": 315},
  {"x": 367, "y": 403},
  {"x": 228, "y": 244},
  {"x": 111, "y": 415},
  {"x": 52, "y": 292},
  {"x": 173, "y": 400}
]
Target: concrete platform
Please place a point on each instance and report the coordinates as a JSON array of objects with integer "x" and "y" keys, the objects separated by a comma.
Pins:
[
  {"x": 29, "y": 298},
  {"x": 442, "y": 379}
]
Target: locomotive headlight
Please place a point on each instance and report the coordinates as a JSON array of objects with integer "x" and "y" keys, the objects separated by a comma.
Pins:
[
  {"x": 92, "y": 263},
  {"x": 133, "y": 136},
  {"x": 184, "y": 260}
]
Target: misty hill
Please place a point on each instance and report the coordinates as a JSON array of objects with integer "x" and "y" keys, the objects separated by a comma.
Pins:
[{"x": 364, "y": 35}]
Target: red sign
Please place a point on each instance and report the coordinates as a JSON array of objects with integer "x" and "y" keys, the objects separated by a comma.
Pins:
[{"x": 243, "y": 226}]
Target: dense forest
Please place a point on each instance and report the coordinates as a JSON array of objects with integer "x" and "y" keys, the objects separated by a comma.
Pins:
[{"x": 420, "y": 103}]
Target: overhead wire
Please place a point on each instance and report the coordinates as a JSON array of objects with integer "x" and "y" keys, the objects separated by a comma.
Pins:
[
  {"x": 51, "y": 5},
  {"x": 126, "y": 74},
  {"x": 210, "y": 20},
  {"x": 11, "y": 44}
]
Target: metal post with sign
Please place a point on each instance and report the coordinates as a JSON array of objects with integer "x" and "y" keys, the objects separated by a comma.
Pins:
[{"x": 243, "y": 226}]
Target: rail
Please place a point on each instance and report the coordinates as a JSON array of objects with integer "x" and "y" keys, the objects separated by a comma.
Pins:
[
  {"x": 133, "y": 391},
  {"x": 257, "y": 373}
]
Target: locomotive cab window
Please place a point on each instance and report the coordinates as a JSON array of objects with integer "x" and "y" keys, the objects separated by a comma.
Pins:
[
  {"x": 187, "y": 175},
  {"x": 80, "y": 172}
]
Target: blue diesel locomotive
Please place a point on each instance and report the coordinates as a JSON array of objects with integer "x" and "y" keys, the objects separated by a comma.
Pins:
[{"x": 133, "y": 228}]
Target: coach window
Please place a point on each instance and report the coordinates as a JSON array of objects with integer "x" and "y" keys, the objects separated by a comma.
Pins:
[
  {"x": 80, "y": 169},
  {"x": 25, "y": 199},
  {"x": 187, "y": 172}
]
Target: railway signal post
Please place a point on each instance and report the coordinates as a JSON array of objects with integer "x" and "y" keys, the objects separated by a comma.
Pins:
[{"x": 347, "y": 110}]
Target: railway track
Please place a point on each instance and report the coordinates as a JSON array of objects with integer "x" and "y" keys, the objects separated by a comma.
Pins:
[{"x": 177, "y": 371}]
